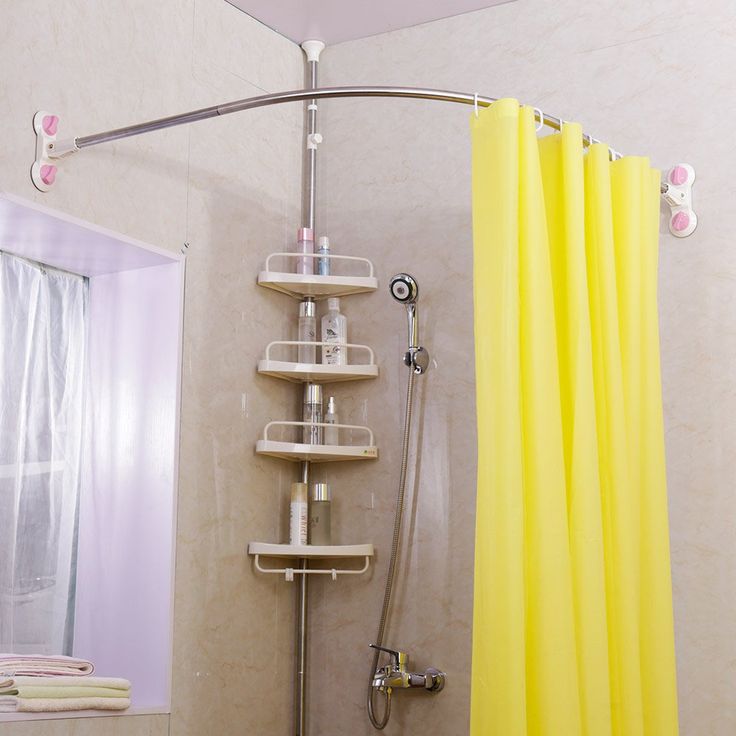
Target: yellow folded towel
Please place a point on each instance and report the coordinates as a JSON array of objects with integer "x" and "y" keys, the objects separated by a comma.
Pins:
[
  {"x": 50, "y": 705},
  {"x": 65, "y": 692}
]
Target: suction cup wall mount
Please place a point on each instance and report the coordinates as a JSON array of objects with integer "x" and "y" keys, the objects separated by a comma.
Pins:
[
  {"x": 48, "y": 150},
  {"x": 677, "y": 191}
]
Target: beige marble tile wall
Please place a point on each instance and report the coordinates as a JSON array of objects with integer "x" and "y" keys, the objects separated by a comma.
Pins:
[
  {"x": 650, "y": 77},
  {"x": 231, "y": 189}
]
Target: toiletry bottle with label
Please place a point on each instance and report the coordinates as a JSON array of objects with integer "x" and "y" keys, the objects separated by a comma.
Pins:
[
  {"x": 335, "y": 331},
  {"x": 298, "y": 514},
  {"x": 323, "y": 249},
  {"x": 320, "y": 526},
  {"x": 332, "y": 434},
  {"x": 312, "y": 434},
  {"x": 305, "y": 244},
  {"x": 307, "y": 331}
]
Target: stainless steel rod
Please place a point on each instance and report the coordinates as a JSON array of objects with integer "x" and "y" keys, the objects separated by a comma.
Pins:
[
  {"x": 311, "y": 178},
  {"x": 300, "y": 725},
  {"x": 300, "y": 679},
  {"x": 299, "y": 95}
]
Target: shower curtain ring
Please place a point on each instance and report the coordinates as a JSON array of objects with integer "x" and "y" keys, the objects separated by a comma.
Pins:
[
  {"x": 540, "y": 115},
  {"x": 475, "y": 103}
]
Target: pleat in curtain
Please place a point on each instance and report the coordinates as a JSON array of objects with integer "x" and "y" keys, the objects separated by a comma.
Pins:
[{"x": 572, "y": 629}]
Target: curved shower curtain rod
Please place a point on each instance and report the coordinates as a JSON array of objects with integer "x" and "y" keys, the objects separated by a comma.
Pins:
[
  {"x": 70, "y": 146},
  {"x": 50, "y": 150}
]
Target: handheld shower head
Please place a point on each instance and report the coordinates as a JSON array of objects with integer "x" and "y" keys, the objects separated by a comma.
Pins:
[{"x": 405, "y": 289}]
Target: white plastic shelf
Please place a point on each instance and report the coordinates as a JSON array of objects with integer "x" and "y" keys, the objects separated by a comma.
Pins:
[
  {"x": 318, "y": 372},
  {"x": 313, "y": 552},
  {"x": 301, "y": 285},
  {"x": 296, "y": 451}
]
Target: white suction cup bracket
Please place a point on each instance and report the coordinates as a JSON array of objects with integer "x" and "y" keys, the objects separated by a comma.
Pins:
[
  {"x": 48, "y": 150},
  {"x": 678, "y": 193}
]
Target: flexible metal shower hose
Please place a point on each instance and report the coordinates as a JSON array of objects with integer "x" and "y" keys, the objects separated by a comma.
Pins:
[{"x": 380, "y": 724}]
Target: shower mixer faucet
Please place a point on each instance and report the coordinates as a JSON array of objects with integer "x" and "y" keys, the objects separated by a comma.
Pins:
[
  {"x": 396, "y": 675},
  {"x": 405, "y": 289}
]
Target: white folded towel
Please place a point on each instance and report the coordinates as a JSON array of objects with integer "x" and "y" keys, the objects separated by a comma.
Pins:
[
  {"x": 41, "y": 664},
  {"x": 10, "y": 704}
]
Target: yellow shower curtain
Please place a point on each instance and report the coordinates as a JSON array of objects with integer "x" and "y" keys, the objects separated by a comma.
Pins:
[{"x": 572, "y": 629}]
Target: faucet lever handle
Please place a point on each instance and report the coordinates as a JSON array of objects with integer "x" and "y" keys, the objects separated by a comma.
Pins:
[{"x": 399, "y": 658}]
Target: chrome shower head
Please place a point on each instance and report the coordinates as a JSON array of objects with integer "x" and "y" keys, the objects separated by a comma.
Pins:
[{"x": 404, "y": 288}]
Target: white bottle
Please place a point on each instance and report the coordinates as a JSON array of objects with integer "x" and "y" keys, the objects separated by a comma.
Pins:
[
  {"x": 298, "y": 514},
  {"x": 334, "y": 330},
  {"x": 307, "y": 332},
  {"x": 332, "y": 434}
]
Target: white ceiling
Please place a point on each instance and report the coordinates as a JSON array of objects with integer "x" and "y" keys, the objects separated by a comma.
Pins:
[{"x": 333, "y": 21}]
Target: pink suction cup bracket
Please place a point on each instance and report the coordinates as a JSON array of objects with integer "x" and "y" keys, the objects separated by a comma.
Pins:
[
  {"x": 48, "y": 150},
  {"x": 678, "y": 193}
]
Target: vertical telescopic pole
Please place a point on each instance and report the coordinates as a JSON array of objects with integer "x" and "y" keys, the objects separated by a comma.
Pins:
[{"x": 312, "y": 49}]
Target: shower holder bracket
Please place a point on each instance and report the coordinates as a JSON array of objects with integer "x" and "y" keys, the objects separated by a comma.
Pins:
[
  {"x": 677, "y": 192},
  {"x": 48, "y": 150}
]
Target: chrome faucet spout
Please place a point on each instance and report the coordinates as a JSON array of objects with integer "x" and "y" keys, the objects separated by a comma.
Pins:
[{"x": 395, "y": 675}]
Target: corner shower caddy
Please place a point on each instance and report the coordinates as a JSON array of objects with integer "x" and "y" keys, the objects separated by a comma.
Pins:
[
  {"x": 676, "y": 189},
  {"x": 318, "y": 287}
]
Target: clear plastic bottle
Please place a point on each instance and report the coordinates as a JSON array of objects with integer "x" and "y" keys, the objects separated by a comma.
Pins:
[
  {"x": 312, "y": 434},
  {"x": 332, "y": 434},
  {"x": 305, "y": 244},
  {"x": 320, "y": 513},
  {"x": 307, "y": 331},
  {"x": 323, "y": 249},
  {"x": 334, "y": 330}
]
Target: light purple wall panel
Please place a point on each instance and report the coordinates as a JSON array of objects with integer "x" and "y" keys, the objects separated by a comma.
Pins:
[
  {"x": 127, "y": 508},
  {"x": 32, "y": 231}
]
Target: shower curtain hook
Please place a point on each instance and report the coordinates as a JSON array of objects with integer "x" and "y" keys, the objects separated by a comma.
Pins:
[
  {"x": 540, "y": 114},
  {"x": 475, "y": 103}
]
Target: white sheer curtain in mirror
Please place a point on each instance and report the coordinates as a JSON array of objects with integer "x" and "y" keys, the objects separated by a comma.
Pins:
[{"x": 42, "y": 368}]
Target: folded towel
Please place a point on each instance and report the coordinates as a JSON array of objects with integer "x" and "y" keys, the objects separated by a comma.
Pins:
[
  {"x": 41, "y": 664},
  {"x": 118, "y": 683},
  {"x": 65, "y": 692},
  {"x": 50, "y": 705}
]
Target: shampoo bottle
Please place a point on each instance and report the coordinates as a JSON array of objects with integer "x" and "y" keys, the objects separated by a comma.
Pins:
[
  {"x": 323, "y": 249},
  {"x": 305, "y": 244},
  {"x": 312, "y": 434},
  {"x": 320, "y": 526},
  {"x": 307, "y": 331},
  {"x": 298, "y": 514},
  {"x": 335, "y": 332},
  {"x": 332, "y": 434}
]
